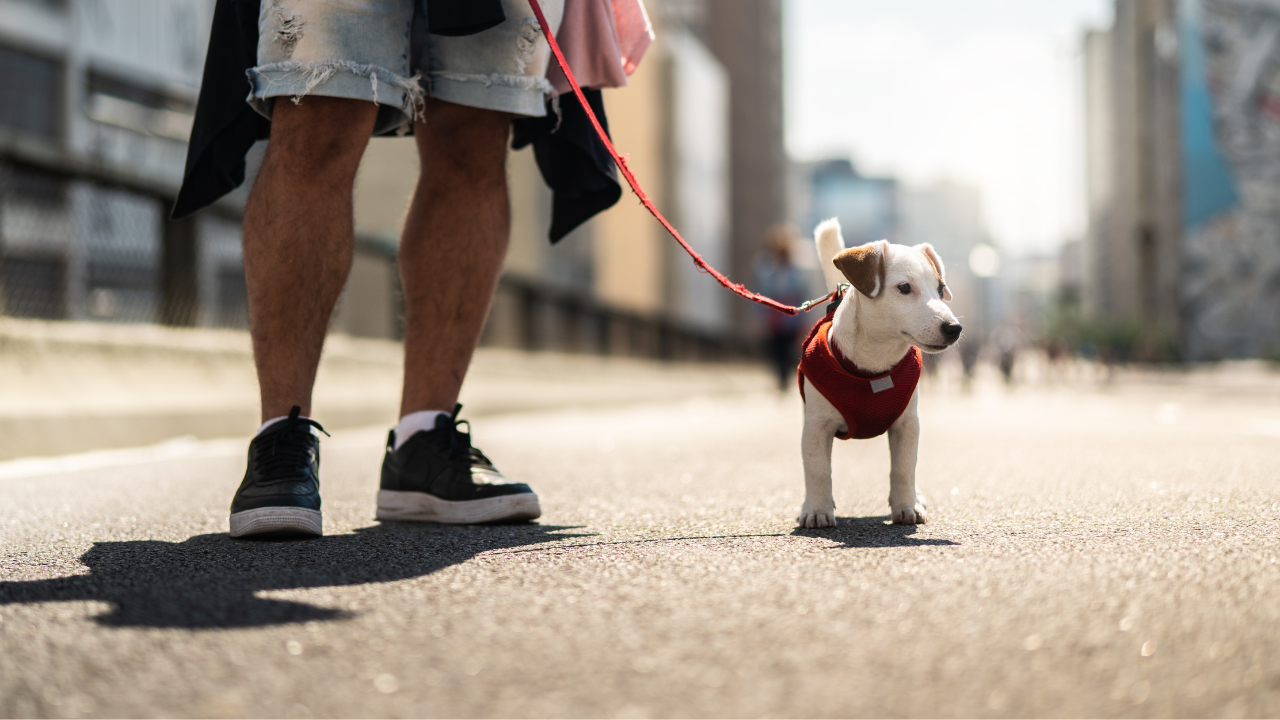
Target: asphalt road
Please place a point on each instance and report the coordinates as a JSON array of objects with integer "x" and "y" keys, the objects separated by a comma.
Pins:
[{"x": 1090, "y": 552}]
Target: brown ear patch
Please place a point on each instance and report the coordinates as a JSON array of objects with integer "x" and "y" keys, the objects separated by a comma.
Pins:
[{"x": 864, "y": 267}]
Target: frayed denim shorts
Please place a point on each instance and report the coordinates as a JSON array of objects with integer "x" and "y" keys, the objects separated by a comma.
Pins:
[{"x": 380, "y": 51}]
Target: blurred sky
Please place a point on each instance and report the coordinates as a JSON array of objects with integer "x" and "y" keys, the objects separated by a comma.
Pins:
[{"x": 984, "y": 91}]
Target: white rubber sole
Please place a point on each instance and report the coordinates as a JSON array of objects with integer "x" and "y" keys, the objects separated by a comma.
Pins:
[
  {"x": 401, "y": 505},
  {"x": 277, "y": 520}
]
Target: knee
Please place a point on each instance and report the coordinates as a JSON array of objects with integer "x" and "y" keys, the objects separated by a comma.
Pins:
[
  {"x": 320, "y": 136},
  {"x": 467, "y": 142}
]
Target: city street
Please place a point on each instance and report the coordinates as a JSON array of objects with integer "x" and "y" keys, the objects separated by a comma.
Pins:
[{"x": 1092, "y": 550}]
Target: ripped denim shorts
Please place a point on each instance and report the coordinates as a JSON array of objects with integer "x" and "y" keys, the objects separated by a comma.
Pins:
[{"x": 380, "y": 51}]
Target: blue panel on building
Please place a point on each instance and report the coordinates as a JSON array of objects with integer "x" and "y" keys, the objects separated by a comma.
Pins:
[{"x": 1208, "y": 189}]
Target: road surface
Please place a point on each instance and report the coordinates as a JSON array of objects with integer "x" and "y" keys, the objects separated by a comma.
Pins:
[{"x": 1091, "y": 551}]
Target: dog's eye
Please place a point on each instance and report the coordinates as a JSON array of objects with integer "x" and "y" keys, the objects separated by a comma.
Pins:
[
  {"x": 905, "y": 288},
  {"x": 941, "y": 289}
]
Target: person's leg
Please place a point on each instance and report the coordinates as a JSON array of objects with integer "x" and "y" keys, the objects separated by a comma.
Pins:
[
  {"x": 298, "y": 240},
  {"x": 451, "y": 252},
  {"x": 778, "y": 354}
]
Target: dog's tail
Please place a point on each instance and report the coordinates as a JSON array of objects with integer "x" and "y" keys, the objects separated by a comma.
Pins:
[{"x": 830, "y": 242}]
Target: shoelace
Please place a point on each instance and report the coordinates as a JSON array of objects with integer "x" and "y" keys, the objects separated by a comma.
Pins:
[
  {"x": 275, "y": 462},
  {"x": 460, "y": 448}
]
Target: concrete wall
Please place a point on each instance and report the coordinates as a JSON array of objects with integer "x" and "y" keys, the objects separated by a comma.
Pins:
[
  {"x": 1099, "y": 123},
  {"x": 631, "y": 247},
  {"x": 69, "y": 387},
  {"x": 746, "y": 36},
  {"x": 1133, "y": 166}
]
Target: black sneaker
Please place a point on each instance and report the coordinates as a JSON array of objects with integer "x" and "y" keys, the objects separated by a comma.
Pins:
[
  {"x": 281, "y": 488},
  {"x": 436, "y": 476}
]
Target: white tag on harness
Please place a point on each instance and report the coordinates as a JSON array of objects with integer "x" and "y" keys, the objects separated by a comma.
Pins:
[{"x": 881, "y": 384}]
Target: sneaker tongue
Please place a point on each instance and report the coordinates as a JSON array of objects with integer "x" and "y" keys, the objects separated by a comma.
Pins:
[
  {"x": 457, "y": 444},
  {"x": 443, "y": 422}
]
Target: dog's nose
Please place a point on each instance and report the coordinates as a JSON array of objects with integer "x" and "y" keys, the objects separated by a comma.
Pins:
[{"x": 951, "y": 330}]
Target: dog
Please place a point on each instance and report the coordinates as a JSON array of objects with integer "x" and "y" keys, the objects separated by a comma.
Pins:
[{"x": 865, "y": 357}]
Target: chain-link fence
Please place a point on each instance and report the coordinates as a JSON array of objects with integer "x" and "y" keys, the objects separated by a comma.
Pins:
[{"x": 74, "y": 247}]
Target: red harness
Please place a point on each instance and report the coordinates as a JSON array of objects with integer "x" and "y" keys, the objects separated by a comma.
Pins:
[{"x": 868, "y": 403}]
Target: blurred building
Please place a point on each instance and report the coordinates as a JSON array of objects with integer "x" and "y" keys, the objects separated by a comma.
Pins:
[
  {"x": 701, "y": 121},
  {"x": 817, "y": 190},
  {"x": 948, "y": 215},
  {"x": 96, "y": 101},
  {"x": 866, "y": 206},
  {"x": 1183, "y": 172},
  {"x": 1134, "y": 254},
  {"x": 1070, "y": 275},
  {"x": 746, "y": 36}
]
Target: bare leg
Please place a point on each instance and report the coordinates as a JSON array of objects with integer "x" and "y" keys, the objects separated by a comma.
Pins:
[
  {"x": 298, "y": 240},
  {"x": 455, "y": 238}
]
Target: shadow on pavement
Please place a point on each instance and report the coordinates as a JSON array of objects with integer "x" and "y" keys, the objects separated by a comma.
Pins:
[
  {"x": 871, "y": 531},
  {"x": 210, "y": 581},
  {"x": 650, "y": 540}
]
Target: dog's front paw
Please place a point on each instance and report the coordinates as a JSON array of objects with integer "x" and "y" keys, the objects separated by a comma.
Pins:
[
  {"x": 817, "y": 517},
  {"x": 909, "y": 514}
]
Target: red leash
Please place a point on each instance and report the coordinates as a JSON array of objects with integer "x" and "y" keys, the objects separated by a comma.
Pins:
[{"x": 644, "y": 199}]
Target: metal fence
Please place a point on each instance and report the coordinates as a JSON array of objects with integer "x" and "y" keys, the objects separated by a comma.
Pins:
[
  {"x": 87, "y": 246},
  {"x": 82, "y": 245},
  {"x": 78, "y": 247}
]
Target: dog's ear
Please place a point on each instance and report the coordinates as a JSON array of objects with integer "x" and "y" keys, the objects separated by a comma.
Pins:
[
  {"x": 938, "y": 271},
  {"x": 864, "y": 266}
]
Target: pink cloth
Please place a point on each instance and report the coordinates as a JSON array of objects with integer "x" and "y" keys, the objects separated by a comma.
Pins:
[
  {"x": 635, "y": 32},
  {"x": 603, "y": 40}
]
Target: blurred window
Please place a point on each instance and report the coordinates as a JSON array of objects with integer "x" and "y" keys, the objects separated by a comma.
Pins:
[
  {"x": 34, "y": 287},
  {"x": 24, "y": 184},
  {"x": 121, "y": 103},
  {"x": 123, "y": 292},
  {"x": 30, "y": 91}
]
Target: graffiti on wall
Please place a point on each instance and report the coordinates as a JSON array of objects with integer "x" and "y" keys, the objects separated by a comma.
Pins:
[{"x": 1231, "y": 190}]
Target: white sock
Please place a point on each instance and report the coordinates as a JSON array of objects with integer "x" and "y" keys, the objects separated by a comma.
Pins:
[
  {"x": 423, "y": 420},
  {"x": 275, "y": 420}
]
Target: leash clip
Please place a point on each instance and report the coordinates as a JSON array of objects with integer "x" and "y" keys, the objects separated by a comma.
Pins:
[{"x": 808, "y": 305}]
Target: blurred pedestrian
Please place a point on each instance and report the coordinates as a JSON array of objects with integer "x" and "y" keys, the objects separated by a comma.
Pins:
[
  {"x": 1058, "y": 354},
  {"x": 1008, "y": 340},
  {"x": 780, "y": 278},
  {"x": 970, "y": 350}
]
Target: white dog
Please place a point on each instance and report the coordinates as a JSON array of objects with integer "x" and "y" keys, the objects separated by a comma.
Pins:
[{"x": 861, "y": 366}]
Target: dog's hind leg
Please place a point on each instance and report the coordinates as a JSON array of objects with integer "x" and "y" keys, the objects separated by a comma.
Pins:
[{"x": 821, "y": 422}]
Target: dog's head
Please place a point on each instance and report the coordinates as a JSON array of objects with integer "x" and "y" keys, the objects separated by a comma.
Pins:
[{"x": 907, "y": 290}]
